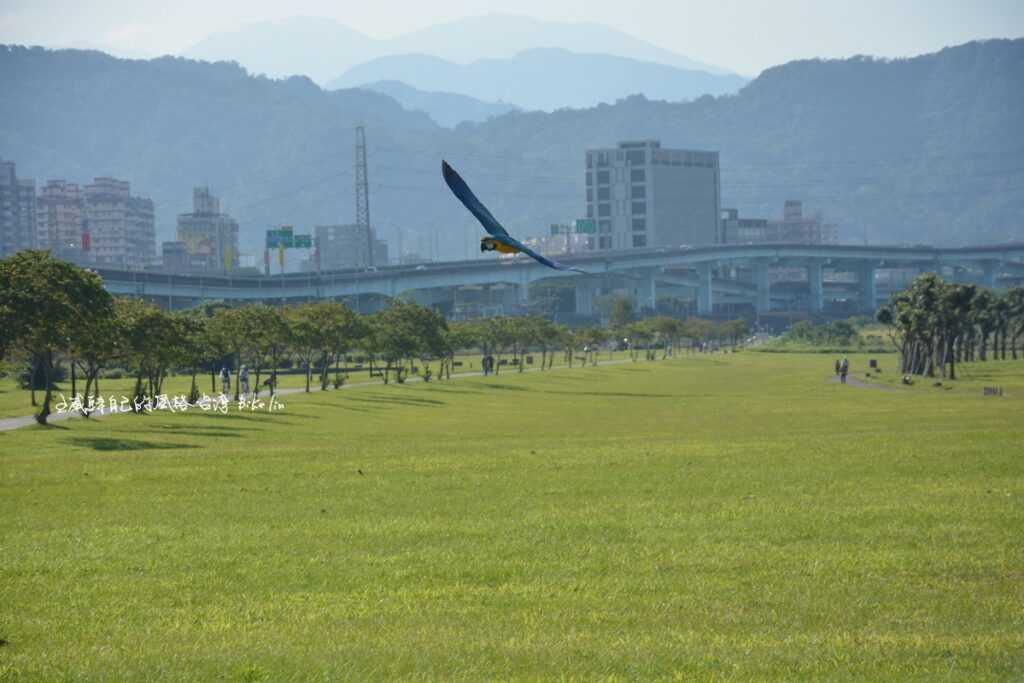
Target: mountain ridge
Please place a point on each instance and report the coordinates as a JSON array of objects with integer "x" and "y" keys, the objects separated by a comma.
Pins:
[
  {"x": 324, "y": 48},
  {"x": 543, "y": 78},
  {"x": 445, "y": 108}
]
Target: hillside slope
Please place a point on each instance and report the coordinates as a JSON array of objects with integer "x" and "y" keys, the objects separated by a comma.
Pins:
[{"x": 927, "y": 149}]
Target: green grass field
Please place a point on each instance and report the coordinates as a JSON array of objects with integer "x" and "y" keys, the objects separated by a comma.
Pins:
[{"x": 721, "y": 517}]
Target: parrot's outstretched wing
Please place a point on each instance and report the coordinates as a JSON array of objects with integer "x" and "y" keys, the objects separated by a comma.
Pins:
[
  {"x": 513, "y": 242},
  {"x": 461, "y": 190}
]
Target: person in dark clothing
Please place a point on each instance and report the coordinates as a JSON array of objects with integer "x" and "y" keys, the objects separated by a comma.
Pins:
[{"x": 844, "y": 369}]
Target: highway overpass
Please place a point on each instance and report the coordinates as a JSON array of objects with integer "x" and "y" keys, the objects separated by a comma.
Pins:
[{"x": 711, "y": 275}]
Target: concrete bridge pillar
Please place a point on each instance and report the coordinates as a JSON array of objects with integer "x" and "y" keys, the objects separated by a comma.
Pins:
[
  {"x": 705, "y": 296},
  {"x": 584, "y": 296},
  {"x": 989, "y": 273},
  {"x": 868, "y": 289},
  {"x": 764, "y": 287},
  {"x": 646, "y": 292},
  {"x": 815, "y": 279}
]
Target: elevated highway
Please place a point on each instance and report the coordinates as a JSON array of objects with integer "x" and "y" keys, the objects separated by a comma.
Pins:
[{"x": 714, "y": 274}]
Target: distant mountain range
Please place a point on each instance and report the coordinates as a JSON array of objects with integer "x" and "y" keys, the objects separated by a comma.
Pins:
[
  {"x": 447, "y": 109},
  {"x": 927, "y": 149},
  {"x": 323, "y": 49},
  {"x": 544, "y": 78}
]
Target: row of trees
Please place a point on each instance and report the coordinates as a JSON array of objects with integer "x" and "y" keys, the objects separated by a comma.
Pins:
[
  {"x": 936, "y": 324},
  {"x": 52, "y": 312}
]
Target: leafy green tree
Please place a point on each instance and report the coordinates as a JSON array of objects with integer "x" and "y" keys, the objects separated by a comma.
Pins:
[
  {"x": 1015, "y": 300},
  {"x": 459, "y": 336},
  {"x": 396, "y": 336},
  {"x": 269, "y": 336},
  {"x": 43, "y": 301},
  {"x": 95, "y": 344},
  {"x": 149, "y": 336},
  {"x": 234, "y": 331},
  {"x": 190, "y": 352},
  {"x": 622, "y": 312},
  {"x": 322, "y": 331}
]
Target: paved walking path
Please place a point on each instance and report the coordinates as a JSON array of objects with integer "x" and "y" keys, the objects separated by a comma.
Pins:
[{"x": 9, "y": 423}]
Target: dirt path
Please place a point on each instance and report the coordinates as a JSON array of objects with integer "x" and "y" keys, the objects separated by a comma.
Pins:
[{"x": 9, "y": 423}]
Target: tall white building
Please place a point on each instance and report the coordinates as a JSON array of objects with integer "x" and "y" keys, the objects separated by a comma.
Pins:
[
  {"x": 121, "y": 228},
  {"x": 60, "y": 209},
  {"x": 644, "y": 196},
  {"x": 210, "y": 237},
  {"x": 345, "y": 246},
  {"x": 17, "y": 211}
]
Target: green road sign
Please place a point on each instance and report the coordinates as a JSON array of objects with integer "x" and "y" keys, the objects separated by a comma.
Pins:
[
  {"x": 586, "y": 226},
  {"x": 284, "y": 236}
]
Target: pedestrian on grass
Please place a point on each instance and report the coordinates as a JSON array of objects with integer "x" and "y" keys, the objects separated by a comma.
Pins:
[
  {"x": 225, "y": 380},
  {"x": 844, "y": 368},
  {"x": 243, "y": 378},
  {"x": 838, "y": 363}
]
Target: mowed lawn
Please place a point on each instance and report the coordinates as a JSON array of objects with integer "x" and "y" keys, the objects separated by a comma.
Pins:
[{"x": 708, "y": 518}]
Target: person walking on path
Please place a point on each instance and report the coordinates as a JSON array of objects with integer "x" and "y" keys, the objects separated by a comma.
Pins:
[
  {"x": 225, "y": 381},
  {"x": 844, "y": 369},
  {"x": 837, "y": 366},
  {"x": 243, "y": 378}
]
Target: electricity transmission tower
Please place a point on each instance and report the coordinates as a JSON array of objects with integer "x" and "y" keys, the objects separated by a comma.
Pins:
[{"x": 363, "y": 194}]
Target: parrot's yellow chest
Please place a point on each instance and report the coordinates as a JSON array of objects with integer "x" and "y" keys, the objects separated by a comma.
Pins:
[{"x": 491, "y": 244}]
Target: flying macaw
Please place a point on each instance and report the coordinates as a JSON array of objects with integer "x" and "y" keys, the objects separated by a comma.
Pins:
[{"x": 499, "y": 239}]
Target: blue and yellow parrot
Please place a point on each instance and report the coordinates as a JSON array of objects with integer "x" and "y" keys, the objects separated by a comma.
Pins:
[{"x": 499, "y": 239}]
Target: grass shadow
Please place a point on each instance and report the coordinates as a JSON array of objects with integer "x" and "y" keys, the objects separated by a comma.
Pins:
[
  {"x": 504, "y": 387},
  {"x": 399, "y": 400},
  {"x": 613, "y": 394},
  {"x": 208, "y": 430},
  {"x": 253, "y": 416},
  {"x": 341, "y": 406},
  {"x": 101, "y": 443}
]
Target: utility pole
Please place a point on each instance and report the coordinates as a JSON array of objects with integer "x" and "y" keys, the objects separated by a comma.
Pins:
[{"x": 363, "y": 194}]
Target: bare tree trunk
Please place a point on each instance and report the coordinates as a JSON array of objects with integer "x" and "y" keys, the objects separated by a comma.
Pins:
[
  {"x": 44, "y": 412},
  {"x": 137, "y": 391},
  {"x": 952, "y": 365},
  {"x": 33, "y": 370}
]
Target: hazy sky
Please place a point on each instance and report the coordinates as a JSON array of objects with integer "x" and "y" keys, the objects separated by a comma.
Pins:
[{"x": 743, "y": 35}]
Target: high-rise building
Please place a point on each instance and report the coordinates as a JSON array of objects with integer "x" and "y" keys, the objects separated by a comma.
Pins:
[
  {"x": 736, "y": 230},
  {"x": 17, "y": 210},
  {"x": 121, "y": 228},
  {"x": 60, "y": 211},
  {"x": 345, "y": 246},
  {"x": 210, "y": 237},
  {"x": 794, "y": 228},
  {"x": 644, "y": 196}
]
